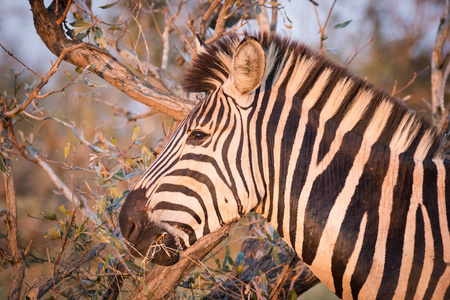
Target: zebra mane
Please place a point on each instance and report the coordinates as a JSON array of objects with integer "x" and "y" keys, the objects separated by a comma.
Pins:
[{"x": 289, "y": 62}]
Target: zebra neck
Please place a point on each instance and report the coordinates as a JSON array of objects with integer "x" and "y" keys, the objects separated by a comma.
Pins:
[{"x": 327, "y": 189}]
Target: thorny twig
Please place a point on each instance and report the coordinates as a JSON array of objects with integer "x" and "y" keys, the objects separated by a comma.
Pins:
[
  {"x": 323, "y": 37},
  {"x": 20, "y": 108}
]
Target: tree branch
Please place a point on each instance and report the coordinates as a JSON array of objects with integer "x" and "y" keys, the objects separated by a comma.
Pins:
[
  {"x": 15, "y": 252},
  {"x": 440, "y": 66},
  {"x": 78, "y": 201},
  {"x": 105, "y": 65},
  {"x": 161, "y": 280}
]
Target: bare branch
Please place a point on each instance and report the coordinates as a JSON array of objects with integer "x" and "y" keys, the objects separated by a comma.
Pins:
[
  {"x": 219, "y": 30},
  {"x": 207, "y": 15},
  {"x": 106, "y": 66},
  {"x": 52, "y": 282},
  {"x": 323, "y": 37},
  {"x": 44, "y": 80},
  {"x": 351, "y": 57},
  {"x": 78, "y": 201}
]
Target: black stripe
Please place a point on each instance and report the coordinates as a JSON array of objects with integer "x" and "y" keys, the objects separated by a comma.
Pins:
[
  {"x": 397, "y": 227},
  {"x": 259, "y": 125},
  {"x": 225, "y": 156},
  {"x": 239, "y": 156},
  {"x": 202, "y": 178},
  {"x": 289, "y": 134},
  {"x": 324, "y": 192},
  {"x": 419, "y": 254},
  {"x": 301, "y": 168},
  {"x": 227, "y": 117},
  {"x": 209, "y": 109},
  {"x": 210, "y": 160},
  {"x": 185, "y": 228},
  {"x": 430, "y": 202},
  {"x": 189, "y": 192},
  {"x": 366, "y": 199},
  {"x": 253, "y": 168},
  {"x": 177, "y": 207}
]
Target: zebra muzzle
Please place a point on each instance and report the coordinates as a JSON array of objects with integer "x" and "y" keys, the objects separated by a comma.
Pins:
[{"x": 145, "y": 238}]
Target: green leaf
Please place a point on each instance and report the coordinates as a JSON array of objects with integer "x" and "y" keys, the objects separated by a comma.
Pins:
[
  {"x": 342, "y": 25},
  {"x": 264, "y": 284},
  {"x": 257, "y": 9},
  {"x": 111, "y": 28},
  {"x": 79, "y": 32},
  {"x": 275, "y": 256},
  {"x": 100, "y": 38},
  {"x": 80, "y": 24},
  {"x": 109, "y": 5},
  {"x": 146, "y": 150},
  {"x": 135, "y": 133},
  {"x": 53, "y": 233},
  {"x": 115, "y": 192},
  {"x": 92, "y": 83},
  {"x": 3, "y": 166},
  {"x": 292, "y": 295},
  {"x": 49, "y": 215}
]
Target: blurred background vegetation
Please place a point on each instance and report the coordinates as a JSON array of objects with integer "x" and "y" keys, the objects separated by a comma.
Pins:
[{"x": 388, "y": 42}]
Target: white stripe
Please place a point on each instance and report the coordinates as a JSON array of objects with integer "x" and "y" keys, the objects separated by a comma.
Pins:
[
  {"x": 428, "y": 263},
  {"x": 443, "y": 284},
  {"x": 410, "y": 231},
  {"x": 399, "y": 143},
  {"x": 351, "y": 265},
  {"x": 442, "y": 208}
]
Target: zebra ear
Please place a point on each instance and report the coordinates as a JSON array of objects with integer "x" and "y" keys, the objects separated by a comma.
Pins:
[{"x": 247, "y": 68}]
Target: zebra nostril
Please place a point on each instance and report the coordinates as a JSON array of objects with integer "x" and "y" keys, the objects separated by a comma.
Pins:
[{"x": 133, "y": 231}]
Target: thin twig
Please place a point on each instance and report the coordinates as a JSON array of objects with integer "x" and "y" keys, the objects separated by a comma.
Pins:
[
  {"x": 349, "y": 60},
  {"x": 78, "y": 201},
  {"x": 63, "y": 16},
  {"x": 61, "y": 275},
  {"x": 18, "y": 109},
  {"x": 323, "y": 37},
  {"x": 395, "y": 92}
]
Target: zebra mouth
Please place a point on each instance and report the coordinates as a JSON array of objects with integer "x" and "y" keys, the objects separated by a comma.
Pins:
[{"x": 162, "y": 251}]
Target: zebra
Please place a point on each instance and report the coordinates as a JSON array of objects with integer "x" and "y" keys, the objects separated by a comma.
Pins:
[{"x": 353, "y": 181}]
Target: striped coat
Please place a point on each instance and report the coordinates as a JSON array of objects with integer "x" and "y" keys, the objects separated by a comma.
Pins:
[{"x": 347, "y": 175}]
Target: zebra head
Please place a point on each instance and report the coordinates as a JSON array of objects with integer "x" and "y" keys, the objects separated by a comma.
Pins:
[{"x": 203, "y": 178}]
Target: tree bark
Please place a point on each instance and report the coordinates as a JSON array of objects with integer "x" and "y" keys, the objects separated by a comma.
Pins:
[
  {"x": 440, "y": 68},
  {"x": 104, "y": 65},
  {"x": 15, "y": 252}
]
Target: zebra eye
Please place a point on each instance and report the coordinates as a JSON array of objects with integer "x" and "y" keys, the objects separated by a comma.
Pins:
[{"x": 197, "y": 136}]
